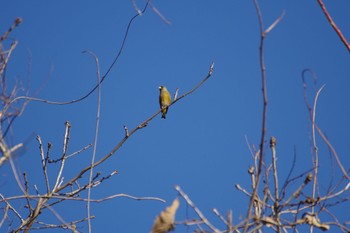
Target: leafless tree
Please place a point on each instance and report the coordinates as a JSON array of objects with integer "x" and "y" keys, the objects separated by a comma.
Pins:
[
  {"x": 283, "y": 208},
  {"x": 279, "y": 207}
]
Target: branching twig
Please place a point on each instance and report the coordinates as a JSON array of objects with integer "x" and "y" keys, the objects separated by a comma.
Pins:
[
  {"x": 140, "y": 126},
  {"x": 9, "y": 206},
  {"x": 199, "y": 213},
  {"x": 263, "y": 34},
  {"x": 312, "y": 113}
]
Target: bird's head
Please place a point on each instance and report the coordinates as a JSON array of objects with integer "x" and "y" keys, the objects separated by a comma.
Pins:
[{"x": 162, "y": 88}]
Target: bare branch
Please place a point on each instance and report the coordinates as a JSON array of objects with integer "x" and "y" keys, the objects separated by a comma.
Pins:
[
  {"x": 43, "y": 163},
  {"x": 94, "y": 88},
  {"x": 274, "y": 24},
  {"x": 10, "y": 207},
  {"x": 264, "y": 115},
  {"x": 140, "y": 126},
  {"x": 199, "y": 213},
  {"x": 63, "y": 157},
  {"x": 60, "y": 197},
  {"x": 158, "y": 13},
  {"x": 96, "y": 134},
  {"x": 334, "y": 26}
]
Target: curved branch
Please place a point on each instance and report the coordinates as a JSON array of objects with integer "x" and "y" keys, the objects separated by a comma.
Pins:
[
  {"x": 94, "y": 88},
  {"x": 129, "y": 134}
]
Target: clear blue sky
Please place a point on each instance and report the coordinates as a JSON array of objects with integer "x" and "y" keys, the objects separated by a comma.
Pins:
[{"x": 201, "y": 146}]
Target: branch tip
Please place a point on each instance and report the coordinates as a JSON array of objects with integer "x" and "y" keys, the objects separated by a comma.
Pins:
[
  {"x": 67, "y": 124},
  {"x": 273, "y": 142},
  {"x": 18, "y": 21},
  {"x": 211, "y": 68}
]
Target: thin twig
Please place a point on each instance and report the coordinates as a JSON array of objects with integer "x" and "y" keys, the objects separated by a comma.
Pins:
[
  {"x": 217, "y": 213},
  {"x": 284, "y": 187},
  {"x": 140, "y": 126},
  {"x": 263, "y": 34},
  {"x": 94, "y": 88},
  {"x": 15, "y": 173},
  {"x": 43, "y": 163},
  {"x": 296, "y": 194},
  {"x": 158, "y": 13},
  {"x": 59, "y": 217},
  {"x": 337, "y": 193},
  {"x": 335, "y": 27},
  {"x": 70, "y": 225},
  {"x": 199, "y": 213},
  {"x": 5, "y": 215},
  {"x": 15, "y": 24},
  {"x": 335, "y": 154},
  {"x": 4, "y": 63},
  {"x": 61, "y": 197},
  {"x": 275, "y": 178},
  {"x": 63, "y": 157},
  {"x": 136, "y": 8},
  {"x": 315, "y": 150},
  {"x": 315, "y": 125},
  {"x": 96, "y": 135},
  {"x": 176, "y": 93},
  {"x": 238, "y": 187},
  {"x": 79, "y": 151},
  {"x": 26, "y": 192},
  {"x": 71, "y": 155},
  {"x": 11, "y": 207},
  {"x": 262, "y": 141}
]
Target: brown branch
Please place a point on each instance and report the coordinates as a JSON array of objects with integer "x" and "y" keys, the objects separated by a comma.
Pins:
[
  {"x": 126, "y": 137},
  {"x": 263, "y": 34},
  {"x": 334, "y": 26},
  {"x": 15, "y": 24},
  {"x": 314, "y": 125},
  {"x": 263, "y": 130}
]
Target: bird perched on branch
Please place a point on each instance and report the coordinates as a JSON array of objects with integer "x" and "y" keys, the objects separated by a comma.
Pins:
[{"x": 164, "y": 100}]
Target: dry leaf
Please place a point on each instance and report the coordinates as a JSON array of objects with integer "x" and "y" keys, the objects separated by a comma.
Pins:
[
  {"x": 314, "y": 221},
  {"x": 165, "y": 222}
]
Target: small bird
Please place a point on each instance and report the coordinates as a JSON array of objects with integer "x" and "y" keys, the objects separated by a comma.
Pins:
[{"x": 164, "y": 100}]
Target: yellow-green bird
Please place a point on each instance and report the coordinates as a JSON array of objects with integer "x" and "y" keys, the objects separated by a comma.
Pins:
[{"x": 164, "y": 100}]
